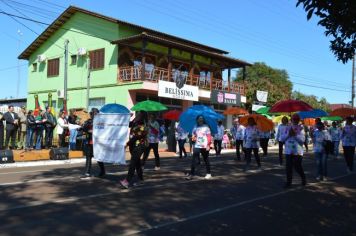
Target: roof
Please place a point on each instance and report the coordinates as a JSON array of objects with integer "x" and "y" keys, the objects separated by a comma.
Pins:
[
  {"x": 71, "y": 10},
  {"x": 232, "y": 62}
]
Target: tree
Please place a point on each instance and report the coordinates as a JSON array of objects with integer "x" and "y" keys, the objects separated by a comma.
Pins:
[
  {"x": 259, "y": 76},
  {"x": 339, "y": 19},
  {"x": 312, "y": 101}
]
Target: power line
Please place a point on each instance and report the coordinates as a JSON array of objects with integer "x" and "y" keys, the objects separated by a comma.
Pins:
[
  {"x": 12, "y": 67},
  {"x": 320, "y": 87}
]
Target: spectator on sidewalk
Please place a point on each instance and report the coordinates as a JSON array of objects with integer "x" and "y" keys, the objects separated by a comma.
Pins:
[
  {"x": 30, "y": 129},
  {"x": 49, "y": 126},
  {"x": 12, "y": 123},
  {"x": 40, "y": 127},
  {"x": 62, "y": 129},
  {"x": 21, "y": 144}
]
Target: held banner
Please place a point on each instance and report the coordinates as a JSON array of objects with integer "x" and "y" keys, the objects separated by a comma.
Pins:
[{"x": 109, "y": 137}]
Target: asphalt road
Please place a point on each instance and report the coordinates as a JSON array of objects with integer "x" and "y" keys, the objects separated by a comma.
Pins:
[{"x": 53, "y": 200}]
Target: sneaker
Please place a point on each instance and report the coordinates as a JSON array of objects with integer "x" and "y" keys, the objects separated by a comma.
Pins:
[
  {"x": 124, "y": 183},
  {"x": 157, "y": 168},
  {"x": 189, "y": 177},
  {"x": 85, "y": 176},
  {"x": 208, "y": 176}
]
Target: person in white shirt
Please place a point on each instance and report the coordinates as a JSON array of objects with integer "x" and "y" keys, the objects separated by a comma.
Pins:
[
  {"x": 251, "y": 143},
  {"x": 238, "y": 132},
  {"x": 348, "y": 138},
  {"x": 218, "y": 138},
  {"x": 281, "y": 133},
  {"x": 62, "y": 129}
]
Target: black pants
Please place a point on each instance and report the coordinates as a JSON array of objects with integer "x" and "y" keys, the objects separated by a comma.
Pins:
[
  {"x": 248, "y": 152},
  {"x": 182, "y": 150},
  {"x": 264, "y": 145},
  {"x": 280, "y": 152},
  {"x": 62, "y": 140},
  {"x": 205, "y": 154},
  {"x": 147, "y": 151},
  {"x": 10, "y": 133},
  {"x": 1, "y": 138},
  {"x": 135, "y": 162},
  {"x": 48, "y": 137},
  {"x": 239, "y": 143},
  {"x": 296, "y": 162},
  {"x": 217, "y": 146},
  {"x": 349, "y": 152},
  {"x": 89, "y": 154}
]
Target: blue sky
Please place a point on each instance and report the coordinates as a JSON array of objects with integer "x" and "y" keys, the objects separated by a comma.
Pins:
[{"x": 273, "y": 31}]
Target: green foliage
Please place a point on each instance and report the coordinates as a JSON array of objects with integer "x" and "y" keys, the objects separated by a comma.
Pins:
[
  {"x": 338, "y": 17},
  {"x": 312, "y": 101},
  {"x": 259, "y": 76}
]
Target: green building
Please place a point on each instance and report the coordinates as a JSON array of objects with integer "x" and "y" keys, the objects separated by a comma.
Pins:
[{"x": 112, "y": 61}]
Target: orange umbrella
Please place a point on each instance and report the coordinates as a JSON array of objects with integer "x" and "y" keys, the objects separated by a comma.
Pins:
[
  {"x": 309, "y": 121},
  {"x": 343, "y": 112},
  {"x": 235, "y": 111},
  {"x": 262, "y": 122}
]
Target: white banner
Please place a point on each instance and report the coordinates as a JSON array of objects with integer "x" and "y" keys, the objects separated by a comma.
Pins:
[
  {"x": 170, "y": 90},
  {"x": 261, "y": 96},
  {"x": 109, "y": 137}
]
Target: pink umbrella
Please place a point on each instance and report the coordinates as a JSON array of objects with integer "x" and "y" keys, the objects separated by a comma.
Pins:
[{"x": 290, "y": 106}]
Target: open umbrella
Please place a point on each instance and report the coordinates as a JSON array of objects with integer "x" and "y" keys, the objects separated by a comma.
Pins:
[
  {"x": 263, "y": 110},
  {"x": 309, "y": 121},
  {"x": 235, "y": 111},
  {"x": 149, "y": 105},
  {"x": 312, "y": 114},
  {"x": 290, "y": 106},
  {"x": 262, "y": 122},
  {"x": 331, "y": 118},
  {"x": 172, "y": 115},
  {"x": 343, "y": 112},
  {"x": 278, "y": 119},
  {"x": 114, "y": 108},
  {"x": 187, "y": 119}
]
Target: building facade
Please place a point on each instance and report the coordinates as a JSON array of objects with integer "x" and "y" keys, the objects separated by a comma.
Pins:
[{"x": 112, "y": 61}]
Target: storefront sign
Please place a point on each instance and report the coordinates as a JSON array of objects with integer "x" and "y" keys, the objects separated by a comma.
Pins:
[
  {"x": 222, "y": 97},
  {"x": 171, "y": 90}
]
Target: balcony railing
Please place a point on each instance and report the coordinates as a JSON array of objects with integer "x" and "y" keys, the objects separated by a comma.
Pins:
[{"x": 133, "y": 73}]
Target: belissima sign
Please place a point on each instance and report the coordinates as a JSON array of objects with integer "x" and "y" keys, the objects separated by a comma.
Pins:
[
  {"x": 171, "y": 90},
  {"x": 226, "y": 98}
]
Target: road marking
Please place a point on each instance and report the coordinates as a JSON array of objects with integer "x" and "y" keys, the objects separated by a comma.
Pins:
[
  {"x": 217, "y": 210},
  {"x": 37, "y": 181}
]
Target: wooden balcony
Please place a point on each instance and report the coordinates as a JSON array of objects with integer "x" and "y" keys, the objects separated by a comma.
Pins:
[{"x": 131, "y": 74}]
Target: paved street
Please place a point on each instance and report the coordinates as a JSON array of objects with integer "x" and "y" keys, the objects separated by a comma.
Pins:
[{"x": 53, "y": 200}]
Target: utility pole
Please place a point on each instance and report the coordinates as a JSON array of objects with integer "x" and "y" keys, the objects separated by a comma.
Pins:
[
  {"x": 65, "y": 68},
  {"x": 88, "y": 84},
  {"x": 353, "y": 82}
]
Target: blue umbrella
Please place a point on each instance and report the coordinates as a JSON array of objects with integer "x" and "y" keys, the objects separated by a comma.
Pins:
[
  {"x": 187, "y": 119},
  {"x": 312, "y": 114},
  {"x": 114, "y": 108}
]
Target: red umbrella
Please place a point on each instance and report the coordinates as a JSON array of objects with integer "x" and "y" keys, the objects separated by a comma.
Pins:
[
  {"x": 343, "y": 112},
  {"x": 290, "y": 106},
  {"x": 172, "y": 115}
]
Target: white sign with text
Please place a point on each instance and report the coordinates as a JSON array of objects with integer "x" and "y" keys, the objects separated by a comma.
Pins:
[{"x": 170, "y": 90}]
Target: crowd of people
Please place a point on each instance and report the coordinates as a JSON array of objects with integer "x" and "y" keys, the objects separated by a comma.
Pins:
[{"x": 27, "y": 130}]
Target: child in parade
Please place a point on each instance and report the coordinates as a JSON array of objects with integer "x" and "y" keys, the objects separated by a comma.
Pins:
[
  {"x": 201, "y": 138},
  {"x": 137, "y": 144},
  {"x": 238, "y": 132},
  {"x": 281, "y": 132},
  {"x": 226, "y": 140},
  {"x": 320, "y": 138},
  {"x": 294, "y": 140},
  {"x": 251, "y": 143}
]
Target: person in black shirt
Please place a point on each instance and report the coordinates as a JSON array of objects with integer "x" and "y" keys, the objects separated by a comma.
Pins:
[
  {"x": 49, "y": 126},
  {"x": 30, "y": 129},
  {"x": 12, "y": 121},
  {"x": 1, "y": 131}
]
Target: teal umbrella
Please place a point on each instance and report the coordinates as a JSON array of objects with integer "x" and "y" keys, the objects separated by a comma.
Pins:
[
  {"x": 263, "y": 110},
  {"x": 331, "y": 118},
  {"x": 149, "y": 105}
]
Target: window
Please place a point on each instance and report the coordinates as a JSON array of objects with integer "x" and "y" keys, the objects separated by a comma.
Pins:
[
  {"x": 34, "y": 67},
  {"x": 97, "y": 59},
  {"x": 96, "y": 103},
  {"x": 53, "y": 67},
  {"x": 73, "y": 59}
]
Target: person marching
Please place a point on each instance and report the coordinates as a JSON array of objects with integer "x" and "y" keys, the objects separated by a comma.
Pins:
[
  {"x": 218, "y": 138},
  {"x": 181, "y": 136},
  {"x": 201, "y": 138},
  {"x": 281, "y": 132},
  {"x": 335, "y": 133},
  {"x": 238, "y": 132},
  {"x": 294, "y": 140},
  {"x": 153, "y": 140},
  {"x": 251, "y": 143},
  {"x": 88, "y": 145},
  {"x": 320, "y": 138},
  {"x": 137, "y": 145},
  {"x": 264, "y": 138},
  {"x": 348, "y": 137}
]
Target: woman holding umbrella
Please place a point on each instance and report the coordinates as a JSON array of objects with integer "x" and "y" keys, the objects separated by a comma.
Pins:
[
  {"x": 293, "y": 151},
  {"x": 201, "y": 137},
  {"x": 251, "y": 143},
  {"x": 137, "y": 145}
]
